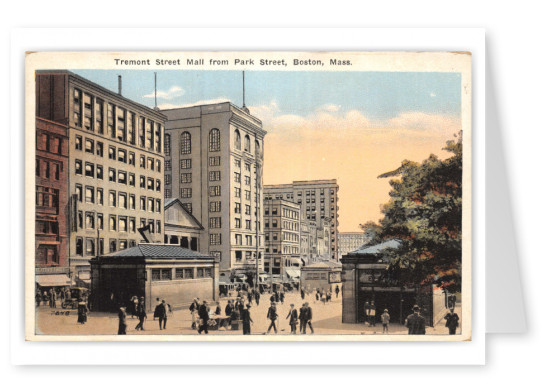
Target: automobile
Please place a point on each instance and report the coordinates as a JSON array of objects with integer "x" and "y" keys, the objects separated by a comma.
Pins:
[{"x": 76, "y": 294}]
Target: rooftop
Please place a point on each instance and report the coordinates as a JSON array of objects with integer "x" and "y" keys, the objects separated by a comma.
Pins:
[
  {"x": 157, "y": 251},
  {"x": 377, "y": 248}
]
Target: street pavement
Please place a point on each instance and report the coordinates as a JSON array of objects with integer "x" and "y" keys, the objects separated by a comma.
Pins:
[{"x": 327, "y": 319}]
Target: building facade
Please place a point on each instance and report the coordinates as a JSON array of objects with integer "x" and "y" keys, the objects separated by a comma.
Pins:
[
  {"x": 115, "y": 162},
  {"x": 180, "y": 226},
  {"x": 213, "y": 164},
  {"x": 282, "y": 236},
  {"x": 319, "y": 200},
  {"x": 51, "y": 173},
  {"x": 350, "y": 241}
]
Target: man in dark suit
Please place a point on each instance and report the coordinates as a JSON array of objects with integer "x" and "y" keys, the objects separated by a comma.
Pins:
[
  {"x": 293, "y": 318},
  {"x": 452, "y": 321},
  {"x": 415, "y": 322},
  {"x": 272, "y": 315},
  {"x": 308, "y": 318},
  {"x": 142, "y": 315},
  {"x": 161, "y": 313},
  {"x": 247, "y": 320},
  {"x": 204, "y": 316}
]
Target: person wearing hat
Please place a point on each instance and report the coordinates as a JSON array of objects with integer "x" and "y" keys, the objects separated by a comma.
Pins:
[
  {"x": 385, "y": 320},
  {"x": 82, "y": 312},
  {"x": 204, "y": 317},
  {"x": 272, "y": 315},
  {"x": 415, "y": 322},
  {"x": 452, "y": 321},
  {"x": 142, "y": 315},
  {"x": 122, "y": 321},
  {"x": 247, "y": 320},
  {"x": 293, "y": 315}
]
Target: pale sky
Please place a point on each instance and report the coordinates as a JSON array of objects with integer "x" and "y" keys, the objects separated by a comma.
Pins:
[{"x": 351, "y": 126}]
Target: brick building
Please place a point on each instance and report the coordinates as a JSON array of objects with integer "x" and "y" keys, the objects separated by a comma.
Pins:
[{"x": 51, "y": 174}]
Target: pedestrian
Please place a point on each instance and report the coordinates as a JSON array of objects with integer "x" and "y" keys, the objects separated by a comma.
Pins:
[
  {"x": 277, "y": 297},
  {"x": 247, "y": 320},
  {"x": 385, "y": 320},
  {"x": 306, "y": 318},
  {"x": 369, "y": 308},
  {"x": 452, "y": 321},
  {"x": 272, "y": 298},
  {"x": 38, "y": 298},
  {"x": 451, "y": 301},
  {"x": 45, "y": 298},
  {"x": 204, "y": 317},
  {"x": 193, "y": 308},
  {"x": 161, "y": 314},
  {"x": 302, "y": 293},
  {"x": 250, "y": 296},
  {"x": 272, "y": 315},
  {"x": 52, "y": 298},
  {"x": 229, "y": 308},
  {"x": 82, "y": 312},
  {"x": 141, "y": 313},
  {"x": 135, "y": 303},
  {"x": 337, "y": 290},
  {"x": 218, "y": 309},
  {"x": 317, "y": 295},
  {"x": 328, "y": 296},
  {"x": 257, "y": 297},
  {"x": 293, "y": 319},
  {"x": 122, "y": 321},
  {"x": 282, "y": 297},
  {"x": 415, "y": 322}
]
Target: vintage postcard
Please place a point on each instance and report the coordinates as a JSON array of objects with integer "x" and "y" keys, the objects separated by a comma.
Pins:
[{"x": 248, "y": 196}]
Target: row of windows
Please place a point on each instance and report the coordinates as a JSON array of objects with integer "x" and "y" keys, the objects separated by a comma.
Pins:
[
  {"x": 92, "y": 170},
  {"x": 87, "y": 246},
  {"x": 121, "y": 155},
  {"x": 285, "y": 236},
  {"x": 93, "y": 221},
  {"x": 249, "y": 255},
  {"x": 247, "y": 144},
  {"x": 89, "y": 114},
  {"x": 48, "y": 169},
  {"x": 185, "y": 142},
  {"x": 92, "y": 195},
  {"x": 47, "y": 197},
  {"x": 180, "y": 273},
  {"x": 247, "y": 223},
  {"x": 248, "y": 240},
  {"x": 49, "y": 143}
]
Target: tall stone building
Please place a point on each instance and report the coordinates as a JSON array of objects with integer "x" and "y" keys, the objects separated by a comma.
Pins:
[
  {"x": 115, "y": 166},
  {"x": 282, "y": 236},
  {"x": 319, "y": 200},
  {"x": 213, "y": 164}
]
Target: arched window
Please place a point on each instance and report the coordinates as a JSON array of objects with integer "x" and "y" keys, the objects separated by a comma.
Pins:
[
  {"x": 214, "y": 140},
  {"x": 167, "y": 144},
  {"x": 247, "y": 143},
  {"x": 237, "y": 139},
  {"x": 257, "y": 149},
  {"x": 185, "y": 143}
]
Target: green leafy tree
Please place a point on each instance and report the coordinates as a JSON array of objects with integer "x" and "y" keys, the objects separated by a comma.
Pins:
[{"x": 424, "y": 212}]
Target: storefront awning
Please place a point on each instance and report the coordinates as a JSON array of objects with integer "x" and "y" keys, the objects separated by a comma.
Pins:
[
  {"x": 293, "y": 273},
  {"x": 53, "y": 280}
]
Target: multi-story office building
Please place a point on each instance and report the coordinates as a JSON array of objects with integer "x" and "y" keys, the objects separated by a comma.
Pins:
[
  {"x": 115, "y": 166},
  {"x": 319, "y": 199},
  {"x": 350, "y": 241},
  {"x": 51, "y": 171},
  {"x": 213, "y": 164},
  {"x": 282, "y": 236}
]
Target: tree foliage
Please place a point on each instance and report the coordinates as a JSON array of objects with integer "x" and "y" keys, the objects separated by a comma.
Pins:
[{"x": 424, "y": 212}]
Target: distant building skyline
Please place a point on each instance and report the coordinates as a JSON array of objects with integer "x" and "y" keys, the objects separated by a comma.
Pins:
[{"x": 351, "y": 126}]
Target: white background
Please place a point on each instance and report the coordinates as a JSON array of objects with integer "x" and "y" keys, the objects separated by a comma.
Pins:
[{"x": 517, "y": 48}]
